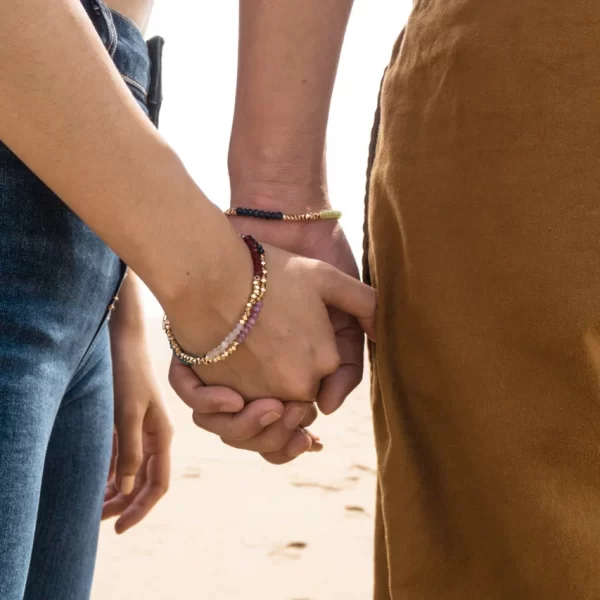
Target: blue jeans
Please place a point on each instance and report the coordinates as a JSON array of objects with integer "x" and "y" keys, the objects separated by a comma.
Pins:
[{"x": 58, "y": 280}]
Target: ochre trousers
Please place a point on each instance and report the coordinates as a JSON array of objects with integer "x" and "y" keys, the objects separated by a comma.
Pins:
[{"x": 484, "y": 246}]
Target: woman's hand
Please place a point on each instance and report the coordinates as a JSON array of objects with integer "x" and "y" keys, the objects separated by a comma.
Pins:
[
  {"x": 141, "y": 462},
  {"x": 323, "y": 240},
  {"x": 292, "y": 347}
]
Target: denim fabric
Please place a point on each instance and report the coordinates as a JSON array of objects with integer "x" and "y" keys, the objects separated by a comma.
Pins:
[{"x": 56, "y": 393}]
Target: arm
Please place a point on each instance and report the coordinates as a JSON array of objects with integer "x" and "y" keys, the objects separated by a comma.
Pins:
[
  {"x": 60, "y": 91},
  {"x": 288, "y": 58},
  {"x": 65, "y": 111},
  {"x": 141, "y": 463}
]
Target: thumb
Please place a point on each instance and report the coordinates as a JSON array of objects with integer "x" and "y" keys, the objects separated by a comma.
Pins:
[
  {"x": 351, "y": 296},
  {"x": 128, "y": 424}
]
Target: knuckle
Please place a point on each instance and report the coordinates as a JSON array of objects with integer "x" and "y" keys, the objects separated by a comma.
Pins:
[
  {"x": 305, "y": 387},
  {"x": 330, "y": 362},
  {"x": 305, "y": 392}
]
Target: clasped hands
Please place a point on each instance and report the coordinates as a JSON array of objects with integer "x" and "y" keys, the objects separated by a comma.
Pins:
[{"x": 306, "y": 351}]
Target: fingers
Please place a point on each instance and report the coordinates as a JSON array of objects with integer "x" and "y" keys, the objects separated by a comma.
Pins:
[
  {"x": 116, "y": 502},
  {"x": 113, "y": 457},
  {"x": 276, "y": 437},
  {"x": 152, "y": 478},
  {"x": 244, "y": 425},
  {"x": 350, "y": 296},
  {"x": 299, "y": 443},
  {"x": 202, "y": 399},
  {"x": 110, "y": 492},
  {"x": 156, "y": 485},
  {"x": 335, "y": 388},
  {"x": 128, "y": 423}
]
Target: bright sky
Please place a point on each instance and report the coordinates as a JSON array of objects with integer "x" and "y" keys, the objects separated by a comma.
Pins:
[{"x": 199, "y": 87}]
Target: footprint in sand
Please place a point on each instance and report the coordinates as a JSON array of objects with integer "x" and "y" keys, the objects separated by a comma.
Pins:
[
  {"x": 356, "y": 510},
  {"x": 192, "y": 473},
  {"x": 313, "y": 484},
  {"x": 364, "y": 468},
  {"x": 292, "y": 550}
]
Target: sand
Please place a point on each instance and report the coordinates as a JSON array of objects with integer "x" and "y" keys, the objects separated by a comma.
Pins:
[{"x": 234, "y": 527}]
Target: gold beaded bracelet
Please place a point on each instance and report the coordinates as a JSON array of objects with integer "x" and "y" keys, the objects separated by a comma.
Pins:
[
  {"x": 322, "y": 215},
  {"x": 240, "y": 332}
]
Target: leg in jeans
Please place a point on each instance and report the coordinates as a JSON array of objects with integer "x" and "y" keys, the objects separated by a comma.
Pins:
[
  {"x": 26, "y": 418},
  {"x": 56, "y": 410},
  {"x": 75, "y": 471}
]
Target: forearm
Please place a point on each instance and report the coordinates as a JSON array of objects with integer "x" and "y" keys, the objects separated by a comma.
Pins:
[
  {"x": 288, "y": 58},
  {"x": 65, "y": 111}
]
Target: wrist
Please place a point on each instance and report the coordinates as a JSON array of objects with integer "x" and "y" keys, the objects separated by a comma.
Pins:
[
  {"x": 203, "y": 312},
  {"x": 279, "y": 178},
  {"x": 280, "y": 195},
  {"x": 128, "y": 343}
]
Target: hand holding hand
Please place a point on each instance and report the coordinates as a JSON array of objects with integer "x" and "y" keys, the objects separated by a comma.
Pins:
[
  {"x": 268, "y": 426},
  {"x": 292, "y": 347},
  {"x": 325, "y": 241}
]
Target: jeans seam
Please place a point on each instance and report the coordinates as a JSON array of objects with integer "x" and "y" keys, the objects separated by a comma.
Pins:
[
  {"x": 113, "y": 36},
  {"x": 105, "y": 13},
  {"x": 138, "y": 86},
  {"x": 125, "y": 18}
]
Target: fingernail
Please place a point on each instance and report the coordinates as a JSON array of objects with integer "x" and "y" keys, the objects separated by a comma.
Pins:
[
  {"x": 316, "y": 447},
  {"x": 127, "y": 485},
  {"x": 229, "y": 407},
  {"x": 269, "y": 419},
  {"x": 293, "y": 417}
]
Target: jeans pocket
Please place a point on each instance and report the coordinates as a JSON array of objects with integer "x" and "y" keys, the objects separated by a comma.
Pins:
[{"x": 105, "y": 26}]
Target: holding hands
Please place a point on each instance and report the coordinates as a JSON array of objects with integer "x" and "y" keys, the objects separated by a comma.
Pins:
[{"x": 298, "y": 351}]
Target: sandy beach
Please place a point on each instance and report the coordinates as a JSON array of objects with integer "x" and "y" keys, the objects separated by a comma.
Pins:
[{"x": 234, "y": 527}]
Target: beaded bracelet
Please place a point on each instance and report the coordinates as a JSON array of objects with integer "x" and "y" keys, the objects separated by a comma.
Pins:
[
  {"x": 279, "y": 216},
  {"x": 240, "y": 332}
]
